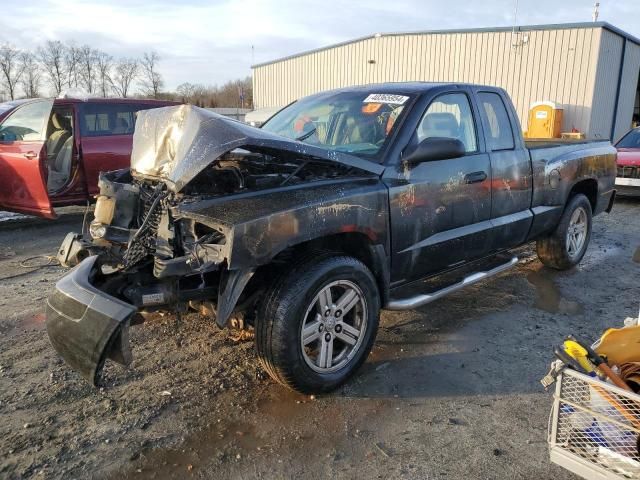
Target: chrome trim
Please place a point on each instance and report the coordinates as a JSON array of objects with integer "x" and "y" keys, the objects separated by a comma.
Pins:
[{"x": 420, "y": 300}]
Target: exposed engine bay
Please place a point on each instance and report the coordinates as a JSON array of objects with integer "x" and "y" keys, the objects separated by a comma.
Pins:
[{"x": 141, "y": 230}]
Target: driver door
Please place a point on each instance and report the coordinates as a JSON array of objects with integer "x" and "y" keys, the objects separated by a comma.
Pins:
[
  {"x": 440, "y": 209},
  {"x": 23, "y": 168}
]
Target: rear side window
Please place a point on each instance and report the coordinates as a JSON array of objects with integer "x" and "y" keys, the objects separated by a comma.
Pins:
[
  {"x": 101, "y": 120},
  {"x": 500, "y": 134}
]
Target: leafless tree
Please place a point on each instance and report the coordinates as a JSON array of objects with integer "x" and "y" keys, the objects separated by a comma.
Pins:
[
  {"x": 10, "y": 69},
  {"x": 196, "y": 94},
  {"x": 104, "y": 62},
  {"x": 126, "y": 71},
  {"x": 72, "y": 57},
  {"x": 236, "y": 93},
  {"x": 52, "y": 56},
  {"x": 31, "y": 74},
  {"x": 88, "y": 67},
  {"x": 151, "y": 80}
]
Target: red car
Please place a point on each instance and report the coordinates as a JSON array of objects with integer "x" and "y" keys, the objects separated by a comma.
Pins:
[
  {"x": 51, "y": 151},
  {"x": 628, "y": 178}
]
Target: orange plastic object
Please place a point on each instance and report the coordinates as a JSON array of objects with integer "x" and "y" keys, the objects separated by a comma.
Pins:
[
  {"x": 300, "y": 122},
  {"x": 370, "y": 108},
  {"x": 620, "y": 345}
]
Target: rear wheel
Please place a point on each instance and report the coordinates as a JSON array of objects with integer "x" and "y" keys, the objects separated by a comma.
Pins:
[
  {"x": 317, "y": 323},
  {"x": 567, "y": 244}
]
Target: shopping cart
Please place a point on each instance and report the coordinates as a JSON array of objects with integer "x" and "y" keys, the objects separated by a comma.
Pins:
[{"x": 594, "y": 428}]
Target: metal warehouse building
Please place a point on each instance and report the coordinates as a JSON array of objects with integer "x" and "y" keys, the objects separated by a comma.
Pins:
[{"x": 591, "y": 69}]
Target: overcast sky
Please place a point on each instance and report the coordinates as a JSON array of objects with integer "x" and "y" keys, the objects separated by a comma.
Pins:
[{"x": 209, "y": 41}]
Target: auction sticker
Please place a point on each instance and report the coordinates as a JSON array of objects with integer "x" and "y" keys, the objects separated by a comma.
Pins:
[{"x": 389, "y": 98}]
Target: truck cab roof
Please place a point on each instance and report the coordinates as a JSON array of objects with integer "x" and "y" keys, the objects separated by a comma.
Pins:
[{"x": 406, "y": 88}]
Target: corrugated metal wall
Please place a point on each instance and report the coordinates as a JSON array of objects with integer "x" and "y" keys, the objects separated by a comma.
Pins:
[
  {"x": 628, "y": 89},
  {"x": 549, "y": 64},
  {"x": 606, "y": 82}
]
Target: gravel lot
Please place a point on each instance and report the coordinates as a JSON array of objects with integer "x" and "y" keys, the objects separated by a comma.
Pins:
[{"x": 450, "y": 391}]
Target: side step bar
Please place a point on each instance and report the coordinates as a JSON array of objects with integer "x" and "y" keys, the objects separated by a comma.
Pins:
[{"x": 423, "y": 299}]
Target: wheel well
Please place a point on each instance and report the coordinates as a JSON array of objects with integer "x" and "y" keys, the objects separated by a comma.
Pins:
[
  {"x": 354, "y": 244},
  {"x": 589, "y": 188}
]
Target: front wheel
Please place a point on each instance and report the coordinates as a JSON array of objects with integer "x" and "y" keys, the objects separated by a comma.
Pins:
[
  {"x": 317, "y": 324},
  {"x": 567, "y": 244}
]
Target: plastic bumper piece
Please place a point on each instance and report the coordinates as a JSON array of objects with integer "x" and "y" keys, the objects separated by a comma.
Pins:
[{"x": 85, "y": 325}]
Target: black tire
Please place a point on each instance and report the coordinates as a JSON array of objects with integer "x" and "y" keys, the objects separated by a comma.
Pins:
[
  {"x": 554, "y": 250},
  {"x": 284, "y": 310}
]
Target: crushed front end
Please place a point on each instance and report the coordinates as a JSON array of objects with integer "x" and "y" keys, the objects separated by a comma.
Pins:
[
  {"x": 141, "y": 258},
  {"x": 207, "y": 202}
]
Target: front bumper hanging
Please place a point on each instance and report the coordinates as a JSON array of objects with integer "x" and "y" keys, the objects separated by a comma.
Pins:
[{"x": 85, "y": 325}]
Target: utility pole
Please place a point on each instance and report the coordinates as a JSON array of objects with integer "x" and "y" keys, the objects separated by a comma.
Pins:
[{"x": 596, "y": 11}]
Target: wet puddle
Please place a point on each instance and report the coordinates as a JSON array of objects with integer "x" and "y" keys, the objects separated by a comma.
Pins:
[
  {"x": 196, "y": 451},
  {"x": 231, "y": 440},
  {"x": 548, "y": 296}
]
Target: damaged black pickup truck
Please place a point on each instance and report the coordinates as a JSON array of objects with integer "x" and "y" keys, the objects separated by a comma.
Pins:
[{"x": 343, "y": 203}]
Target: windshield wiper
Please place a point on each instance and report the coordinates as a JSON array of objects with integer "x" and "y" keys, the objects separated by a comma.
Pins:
[{"x": 306, "y": 135}]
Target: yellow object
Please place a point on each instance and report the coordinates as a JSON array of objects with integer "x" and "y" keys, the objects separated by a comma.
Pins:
[
  {"x": 620, "y": 345},
  {"x": 579, "y": 354},
  {"x": 545, "y": 120},
  {"x": 369, "y": 108}
]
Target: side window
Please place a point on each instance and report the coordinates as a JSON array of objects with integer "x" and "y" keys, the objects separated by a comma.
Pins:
[
  {"x": 105, "y": 119},
  {"x": 500, "y": 134},
  {"x": 27, "y": 123},
  {"x": 449, "y": 115}
]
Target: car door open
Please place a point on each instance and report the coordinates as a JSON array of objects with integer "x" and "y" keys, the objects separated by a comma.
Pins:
[{"x": 23, "y": 169}]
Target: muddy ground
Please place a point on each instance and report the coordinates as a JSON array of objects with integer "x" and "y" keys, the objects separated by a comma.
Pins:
[{"x": 450, "y": 391}]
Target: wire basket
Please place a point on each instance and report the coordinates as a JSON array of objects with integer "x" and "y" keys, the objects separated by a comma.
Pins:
[{"x": 594, "y": 428}]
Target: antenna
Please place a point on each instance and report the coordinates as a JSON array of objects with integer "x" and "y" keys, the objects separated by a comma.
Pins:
[
  {"x": 515, "y": 34},
  {"x": 596, "y": 11}
]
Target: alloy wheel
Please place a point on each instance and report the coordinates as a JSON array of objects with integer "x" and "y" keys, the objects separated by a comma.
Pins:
[
  {"x": 577, "y": 232},
  {"x": 334, "y": 326}
]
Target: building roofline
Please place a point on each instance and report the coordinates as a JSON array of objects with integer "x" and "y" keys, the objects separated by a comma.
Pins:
[{"x": 521, "y": 28}]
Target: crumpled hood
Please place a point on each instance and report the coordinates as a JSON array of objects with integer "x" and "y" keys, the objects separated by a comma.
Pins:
[{"x": 176, "y": 143}]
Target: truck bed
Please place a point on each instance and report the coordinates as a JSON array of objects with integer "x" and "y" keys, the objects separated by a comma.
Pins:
[{"x": 568, "y": 161}]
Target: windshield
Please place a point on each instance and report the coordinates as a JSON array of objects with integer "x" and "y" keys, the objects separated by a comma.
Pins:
[
  {"x": 630, "y": 140},
  {"x": 359, "y": 123}
]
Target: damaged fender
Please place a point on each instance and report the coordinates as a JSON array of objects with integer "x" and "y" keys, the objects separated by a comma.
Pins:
[{"x": 85, "y": 325}]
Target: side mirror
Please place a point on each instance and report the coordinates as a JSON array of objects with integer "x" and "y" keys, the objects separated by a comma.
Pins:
[{"x": 434, "y": 148}]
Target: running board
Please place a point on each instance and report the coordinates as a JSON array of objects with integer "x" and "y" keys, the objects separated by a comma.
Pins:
[{"x": 420, "y": 300}]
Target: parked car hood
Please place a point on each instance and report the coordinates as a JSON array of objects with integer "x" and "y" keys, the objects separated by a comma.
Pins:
[
  {"x": 176, "y": 143},
  {"x": 629, "y": 157}
]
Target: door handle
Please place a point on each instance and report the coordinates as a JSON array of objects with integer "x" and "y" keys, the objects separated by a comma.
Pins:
[
  {"x": 475, "y": 177},
  {"x": 30, "y": 155}
]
